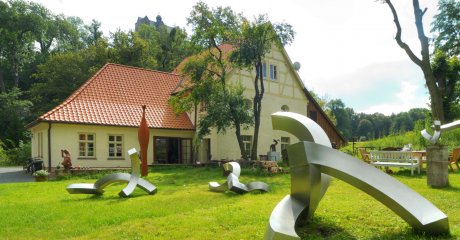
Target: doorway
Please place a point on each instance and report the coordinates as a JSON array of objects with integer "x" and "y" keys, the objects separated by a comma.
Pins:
[{"x": 170, "y": 150}]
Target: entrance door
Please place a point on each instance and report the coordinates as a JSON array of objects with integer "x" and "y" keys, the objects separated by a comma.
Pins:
[{"x": 169, "y": 150}]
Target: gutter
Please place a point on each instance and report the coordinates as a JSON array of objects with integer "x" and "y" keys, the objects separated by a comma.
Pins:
[{"x": 49, "y": 146}]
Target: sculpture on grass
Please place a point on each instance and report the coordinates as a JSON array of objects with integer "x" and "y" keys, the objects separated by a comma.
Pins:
[
  {"x": 312, "y": 160},
  {"x": 132, "y": 179},
  {"x": 232, "y": 171},
  {"x": 143, "y": 136}
]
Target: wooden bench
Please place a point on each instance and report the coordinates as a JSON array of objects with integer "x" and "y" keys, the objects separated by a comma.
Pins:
[{"x": 403, "y": 159}]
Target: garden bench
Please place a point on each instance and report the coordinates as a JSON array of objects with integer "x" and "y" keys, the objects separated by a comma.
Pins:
[{"x": 403, "y": 159}]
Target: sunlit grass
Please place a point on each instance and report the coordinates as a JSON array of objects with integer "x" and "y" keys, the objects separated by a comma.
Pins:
[{"x": 184, "y": 208}]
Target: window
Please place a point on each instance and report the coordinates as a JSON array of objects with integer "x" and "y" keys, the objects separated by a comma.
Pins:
[
  {"x": 186, "y": 150},
  {"x": 273, "y": 72},
  {"x": 264, "y": 71},
  {"x": 285, "y": 108},
  {"x": 115, "y": 146},
  {"x": 86, "y": 145},
  {"x": 204, "y": 107},
  {"x": 40, "y": 145},
  {"x": 285, "y": 141},
  {"x": 313, "y": 116},
  {"x": 247, "y": 142}
]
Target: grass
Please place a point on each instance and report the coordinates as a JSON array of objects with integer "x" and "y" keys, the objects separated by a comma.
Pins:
[{"x": 184, "y": 208}]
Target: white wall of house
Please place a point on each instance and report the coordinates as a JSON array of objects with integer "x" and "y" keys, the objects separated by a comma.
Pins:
[
  {"x": 67, "y": 136},
  {"x": 285, "y": 90}
]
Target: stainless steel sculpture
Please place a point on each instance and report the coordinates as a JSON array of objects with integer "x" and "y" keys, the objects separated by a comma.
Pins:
[
  {"x": 438, "y": 128},
  {"x": 132, "y": 179},
  {"x": 312, "y": 158},
  {"x": 232, "y": 170}
]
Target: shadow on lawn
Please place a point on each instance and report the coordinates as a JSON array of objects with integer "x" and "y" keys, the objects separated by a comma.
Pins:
[{"x": 318, "y": 228}]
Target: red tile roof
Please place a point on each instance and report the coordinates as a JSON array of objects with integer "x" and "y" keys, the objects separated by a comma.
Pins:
[{"x": 114, "y": 96}]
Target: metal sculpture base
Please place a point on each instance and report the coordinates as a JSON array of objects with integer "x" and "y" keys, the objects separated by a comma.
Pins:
[
  {"x": 312, "y": 158},
  {"x": 233, "y": 170},
  {"x": 132, "y": 179}
]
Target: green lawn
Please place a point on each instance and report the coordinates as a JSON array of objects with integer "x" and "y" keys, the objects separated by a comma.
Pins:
[{"x": 183, "y": 208}]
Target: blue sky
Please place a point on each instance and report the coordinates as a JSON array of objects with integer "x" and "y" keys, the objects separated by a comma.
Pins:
[{"x": 346, "y": 48}]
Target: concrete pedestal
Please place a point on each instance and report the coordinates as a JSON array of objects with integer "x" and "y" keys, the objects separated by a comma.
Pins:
[
  {"x": 437, "y": 171},
  {"x": 274, "y": 156}
]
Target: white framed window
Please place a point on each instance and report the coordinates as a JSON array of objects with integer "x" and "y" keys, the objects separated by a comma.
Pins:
[
  {"x": 116, "y": 146},
  {"x": 264, "y": 71},
  {"x": 247, "y": 142},
  {"x": 186, "y": 150},
  {"x": 285, "y": 141},
  {"x": 86, "y": 145},
  {"x": 273, "y": 72}
]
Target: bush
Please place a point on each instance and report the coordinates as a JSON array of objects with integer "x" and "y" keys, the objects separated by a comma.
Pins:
[
  {"x": 4, "y": 159},
  {"x": 19, "y": 155}
]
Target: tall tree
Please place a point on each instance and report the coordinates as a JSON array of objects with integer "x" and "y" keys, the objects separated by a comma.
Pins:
[
  {"x": 207, "y": 73},
  {"x": 435, "y": 86},
  {"x": 254, "y": 42},
  {"x": 130, "y": 49},
  {"x": 447, "y": 69},
  {"x": 446, "y": 25},
  {"x": 15, "y": 113}
]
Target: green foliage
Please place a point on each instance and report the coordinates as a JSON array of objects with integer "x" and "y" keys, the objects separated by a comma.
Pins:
[
  {"x": 184, "y": 208},
  {"x": 4, "y": 159},
  {"x": 446, "y": 25},
  {"x": 447, "y": 72},
  {"x": 18, "y": 155},
  {"x": 15, "y": 113},
  {"x": 253, "y": 42}
]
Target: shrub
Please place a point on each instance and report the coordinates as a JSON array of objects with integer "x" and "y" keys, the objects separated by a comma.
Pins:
[
  {"x": 19, "y": 155},
  {"x": 4, "y": 159}
]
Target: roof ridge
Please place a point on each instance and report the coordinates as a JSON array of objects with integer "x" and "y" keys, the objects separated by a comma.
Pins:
[
  {"x": 74, "y": 94},
  {"x": 144, "y": 69}
]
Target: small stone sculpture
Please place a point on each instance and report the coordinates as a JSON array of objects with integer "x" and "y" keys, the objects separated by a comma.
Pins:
[{"x": 232, "y": 171}]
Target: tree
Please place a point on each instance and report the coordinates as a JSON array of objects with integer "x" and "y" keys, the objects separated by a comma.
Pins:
[
  {"x": 343, "y": 117},
  {"x": 365, "y": 128},
  {"x": 207, "y": 72},
  {"x": 15, "y": 114},
  {"x": 447, "y": 25},
  {"x": 447, "y": 69},
  {"x": 63, "y": 73},
  {"x": 172, "y": 44},
  {"x": 19, "y": 22},
  {"x": 435, "y": 86},
  {"x": 130, "y": 49},
  {"x": 254, "y": 42}
]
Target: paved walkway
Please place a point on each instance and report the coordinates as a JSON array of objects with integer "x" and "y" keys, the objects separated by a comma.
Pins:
[{"x": 14, "y": 174}]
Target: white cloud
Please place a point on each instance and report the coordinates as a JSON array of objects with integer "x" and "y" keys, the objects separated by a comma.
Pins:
[{"x": 404, "y": 100}]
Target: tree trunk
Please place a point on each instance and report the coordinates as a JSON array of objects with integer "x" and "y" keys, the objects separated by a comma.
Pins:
[
  {"x": 437, "y": 109},
  {"x": 240, "y": 142},
  {"x": 257, "y": 106}
]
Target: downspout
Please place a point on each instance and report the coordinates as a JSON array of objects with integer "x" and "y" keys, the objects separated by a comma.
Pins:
[{"x": 49, "y": 146}]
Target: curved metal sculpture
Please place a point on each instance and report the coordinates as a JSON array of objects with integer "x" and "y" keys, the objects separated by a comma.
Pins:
[
  {"x": 438, "y": 128},
  {"x": 312, "y": 158},
  {"x": 232, "y": 170},
  {"x": 132, "y": 179}
]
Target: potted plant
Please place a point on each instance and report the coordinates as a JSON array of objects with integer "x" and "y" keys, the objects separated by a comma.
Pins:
[{"x": 41, "y": 175}]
